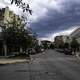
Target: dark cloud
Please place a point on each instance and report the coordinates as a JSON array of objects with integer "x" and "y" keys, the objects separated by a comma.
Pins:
[{"x": 55, "y": 21}]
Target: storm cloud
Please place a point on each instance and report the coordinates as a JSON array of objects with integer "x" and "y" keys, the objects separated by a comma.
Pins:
[
  {"x": 51, "y": 17},
  {"x": 58, "y": 19}
]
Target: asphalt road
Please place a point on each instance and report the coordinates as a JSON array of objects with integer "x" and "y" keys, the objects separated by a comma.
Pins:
[{"x": 49, "y": 65}]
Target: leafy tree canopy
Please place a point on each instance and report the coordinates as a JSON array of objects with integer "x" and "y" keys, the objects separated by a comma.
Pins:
[{"x": 21, "y": 4}]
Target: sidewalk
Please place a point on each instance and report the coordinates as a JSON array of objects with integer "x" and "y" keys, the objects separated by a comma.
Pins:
[
  {"x": 78, "y": 56},
  {"x": 12, "y": 61}
]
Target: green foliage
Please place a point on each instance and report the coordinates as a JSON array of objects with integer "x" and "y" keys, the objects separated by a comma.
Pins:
[
  {"x": 52, "y": 46},
  {"x": 45, "y": 46},
  {"x": 16, "y": 37},
  {"x": 66, "y": 45},
  {"x": 19, "y": 38},
  {"x": 18, "y": 2},
  {"x": 74, "y": 43},
  {"x": 24, "y": 6}
]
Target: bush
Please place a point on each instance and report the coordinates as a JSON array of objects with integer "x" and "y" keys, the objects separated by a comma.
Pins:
[
  {"x": 21, "y": 55},
  {"x": 52, "y": 46}
]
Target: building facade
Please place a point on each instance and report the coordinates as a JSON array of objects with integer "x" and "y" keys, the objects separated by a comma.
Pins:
[
  {"x": 59, "y": 41},
  {"x": 7, "y": 17},
  {"x": 62, "y": 39},
  {"x": 76, "y": 34}
]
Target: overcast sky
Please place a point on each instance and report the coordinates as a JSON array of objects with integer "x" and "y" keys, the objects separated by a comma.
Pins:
[{"x": 51, "y": 17}]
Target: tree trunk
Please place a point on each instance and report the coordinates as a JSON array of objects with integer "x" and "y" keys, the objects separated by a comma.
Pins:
[
  {"x": 4, "y": 48},
  {"x": 20, "y": 49}
]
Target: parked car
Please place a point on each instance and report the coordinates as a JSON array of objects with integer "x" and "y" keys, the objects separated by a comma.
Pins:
[
  {"x": 60, "y": 50},
  {"x": 67, "y": 51},
  {"x": 42, "y": 49},
  {"x": 39, "y": 49},
  {"x": 31, "y": 51}
]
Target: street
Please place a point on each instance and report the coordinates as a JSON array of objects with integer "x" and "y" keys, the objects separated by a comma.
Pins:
[{"x": 49, "y": 65}]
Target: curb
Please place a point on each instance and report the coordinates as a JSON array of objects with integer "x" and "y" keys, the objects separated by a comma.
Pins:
[
  {"x": 78, "y": 57},
  {"x": 16, "y": 62}
]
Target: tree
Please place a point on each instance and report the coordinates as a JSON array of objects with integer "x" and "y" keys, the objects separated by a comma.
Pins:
[
  {"x": 13, "y": 36},
  {"x": 74, "y": 45},
  {"x": 22, "y": 5},
  {"x": 66, "y": 45},
  {"x": 52, "y": 46},
  {"x": 19, "y": 38}
]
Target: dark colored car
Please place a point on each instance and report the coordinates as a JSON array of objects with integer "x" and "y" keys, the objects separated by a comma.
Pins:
[
  {"x": 31, "y": 51},
  {"x": 67, "y": 51},
  {"x": 39, "y": 49},
  {"x": 60, "y": 50}
]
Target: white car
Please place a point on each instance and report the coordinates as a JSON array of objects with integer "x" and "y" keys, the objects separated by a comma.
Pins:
[{"x": 42, "y": 49}]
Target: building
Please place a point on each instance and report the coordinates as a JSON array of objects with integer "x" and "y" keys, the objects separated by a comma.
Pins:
[
  {"x": 7, "y": 17},
  {"x": 59, "y": 41},
  {"x": 76, "y": 34}
]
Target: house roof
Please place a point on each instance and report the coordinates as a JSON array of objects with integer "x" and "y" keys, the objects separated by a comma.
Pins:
[{"x": 76, "y": 33}]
